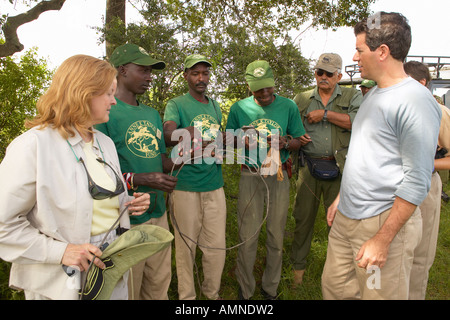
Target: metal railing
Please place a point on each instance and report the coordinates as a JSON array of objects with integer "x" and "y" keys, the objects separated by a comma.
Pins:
[
  {"x": 439, "y": 63},
  {"x": 436, "y": 62}
]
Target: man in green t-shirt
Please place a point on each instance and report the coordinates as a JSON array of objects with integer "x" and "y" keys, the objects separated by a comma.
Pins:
[
  {"x": 198, "y": 201},
  {"x": 275, "y": 123},
  {"x": 137, "y": 132}
]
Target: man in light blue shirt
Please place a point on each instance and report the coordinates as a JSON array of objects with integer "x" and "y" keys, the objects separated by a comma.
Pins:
[
  {"x": 376, "y": 223},
  {"x": 388, "y": 153}
]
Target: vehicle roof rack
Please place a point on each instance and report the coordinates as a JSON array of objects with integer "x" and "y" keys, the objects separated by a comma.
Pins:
[
  {"x": 351, "y": 70},
  {"x": 436, "y": 62}
]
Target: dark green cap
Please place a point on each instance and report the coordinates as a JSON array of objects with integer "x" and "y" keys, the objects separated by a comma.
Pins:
[
  {"x": 193, "y": 59},
  {"x": 259, "y": 75},
  {"x": 368, "y": 83},
  {"x": 131, "y": 53}
]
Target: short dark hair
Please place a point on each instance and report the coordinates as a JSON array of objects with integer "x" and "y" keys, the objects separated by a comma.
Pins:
[
  {"x": 391, "y": 29},
  {"x": 418, "y": 71}
]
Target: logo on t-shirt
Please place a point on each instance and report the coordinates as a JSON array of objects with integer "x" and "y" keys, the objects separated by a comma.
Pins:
[
  {"x": 141, "y": 140},
  {"x": 266, "y": 127},
  {"x": 207, "y": 125}
]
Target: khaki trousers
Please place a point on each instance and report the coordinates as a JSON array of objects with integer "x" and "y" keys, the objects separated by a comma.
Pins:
[
  {"x": 251, "y": 212},
  {"x": 201, "y": 219},
  {"x": 426, "y": 250},
  {"x": 343, "y": 279},
  {"x": 150, "y": 279}
]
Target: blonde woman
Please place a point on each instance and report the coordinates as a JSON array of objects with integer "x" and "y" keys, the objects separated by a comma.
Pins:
[{"x": 61, "y": 189}]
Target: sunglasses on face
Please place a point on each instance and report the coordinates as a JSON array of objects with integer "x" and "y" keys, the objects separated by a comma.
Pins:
[
  {"x": 99, "y": 193},
  {"x": 320, "y": 73}
]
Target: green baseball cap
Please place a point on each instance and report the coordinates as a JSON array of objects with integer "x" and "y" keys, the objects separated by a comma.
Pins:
[
  {"x": 132, "y": 53},
  {"x": 132, "y": 247},
  {"x": 368, "y": 83},
  {"x": 193, "y": 59},
  {"x": 259, "y": 75}
]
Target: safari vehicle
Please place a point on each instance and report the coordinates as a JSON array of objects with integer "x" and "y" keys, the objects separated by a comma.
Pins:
[
  {"x": 439, "y": 69},
  {"x": 440, "y": 75}
]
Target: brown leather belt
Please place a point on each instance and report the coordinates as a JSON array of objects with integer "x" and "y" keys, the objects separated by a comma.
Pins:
[{"x": 324, "y": 158}]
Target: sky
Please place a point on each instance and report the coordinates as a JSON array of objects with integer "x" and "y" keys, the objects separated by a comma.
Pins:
[{"x": 61, "y": 34}]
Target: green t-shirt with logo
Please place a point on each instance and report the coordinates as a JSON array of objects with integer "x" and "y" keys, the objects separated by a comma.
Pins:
[
  {"x": 281, "y": 115},
  {"x": 186, "y": 111},
  {"x": 137, "y": 133}
]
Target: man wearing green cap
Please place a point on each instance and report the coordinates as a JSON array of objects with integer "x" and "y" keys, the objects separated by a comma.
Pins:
[
  {"x": 366, "y": 85},
  {"x": 327, "y": 112},
  {"x": 137, "y": 132},
  {"x": 198, "y": 201},
  {"x": 276, "y": 121}
]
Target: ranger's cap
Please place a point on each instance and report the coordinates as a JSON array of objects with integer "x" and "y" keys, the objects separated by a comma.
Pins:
[
  {"x": 368, "y": 83},
  {"x": 193, "y": 59},
  {"x": 259, "y": 75},
  {"x": 132, "y": 53}
]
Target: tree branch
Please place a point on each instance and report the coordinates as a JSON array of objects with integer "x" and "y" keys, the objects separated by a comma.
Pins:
[{"x": 12, "y": 43}]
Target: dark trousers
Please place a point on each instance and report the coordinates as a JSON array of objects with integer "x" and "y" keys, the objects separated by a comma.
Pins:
[{"x": 309, "y": 192}]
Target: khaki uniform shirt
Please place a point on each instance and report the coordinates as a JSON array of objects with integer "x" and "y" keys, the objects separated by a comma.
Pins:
[
  {"x": 329, "y": 139},
  {"x": 444, "y": 130}
]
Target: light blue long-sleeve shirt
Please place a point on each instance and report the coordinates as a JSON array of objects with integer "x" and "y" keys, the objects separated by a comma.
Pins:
[{"x": 392, "y": 148}]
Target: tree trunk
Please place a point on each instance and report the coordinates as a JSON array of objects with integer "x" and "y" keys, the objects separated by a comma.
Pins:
[
  {"x": 114, "y": 9},
  {"x": 12, "y": 43}
]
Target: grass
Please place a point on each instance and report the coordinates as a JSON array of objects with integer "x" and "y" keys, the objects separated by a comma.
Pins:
[
  {"x": 438, "y": 282},
  {"x": 438, "y": 285}
]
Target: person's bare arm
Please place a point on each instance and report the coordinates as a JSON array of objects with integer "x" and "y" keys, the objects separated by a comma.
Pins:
[
  {"x": 332, "y": 210},
  {"x": 169, "y": 165},
  {"x": 169, "y": 127},
  {"x": 155, "y": 180},
  {"x": 173, "y": 135},
  {"x": 442, "y": 164},
  {"x": 340, "y": 119}
]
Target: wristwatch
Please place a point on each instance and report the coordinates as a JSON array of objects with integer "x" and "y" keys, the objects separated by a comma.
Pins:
[
  {"x": 286, "y": 145},
  {"x": 325, "y": 115}
]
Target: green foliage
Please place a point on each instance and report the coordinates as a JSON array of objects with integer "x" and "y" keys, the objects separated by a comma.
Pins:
[
  {"x": 5, "y": 292},
  {"x": 272, "y": 16},
  {"x": 231, "y": 35},
  {"x": 21, "y": 84}
]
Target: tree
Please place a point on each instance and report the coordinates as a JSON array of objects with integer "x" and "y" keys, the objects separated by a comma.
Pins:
[
  {"x": 22, "y": 83},
  {"x": 276, "y": 17},
  {"x": 9, "y": 25},
  {"x": 115, "y": 17},
  {"x": 231, "y": 34}
]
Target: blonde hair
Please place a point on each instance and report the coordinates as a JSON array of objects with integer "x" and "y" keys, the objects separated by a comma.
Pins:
[{"x": 66, "y": 104}]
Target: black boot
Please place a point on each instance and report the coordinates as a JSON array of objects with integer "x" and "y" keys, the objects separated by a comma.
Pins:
[{"x": 444, "y": 196}]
